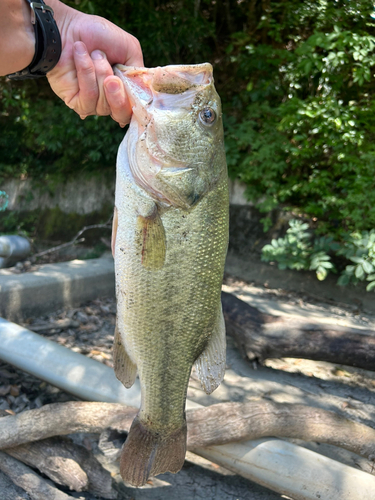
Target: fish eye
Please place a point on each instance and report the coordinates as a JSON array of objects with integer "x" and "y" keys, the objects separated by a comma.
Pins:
[{"x": 207, "y": 116}]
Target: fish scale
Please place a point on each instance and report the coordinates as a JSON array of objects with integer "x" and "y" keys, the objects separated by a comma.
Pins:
[{"x": 169, "y": 249}]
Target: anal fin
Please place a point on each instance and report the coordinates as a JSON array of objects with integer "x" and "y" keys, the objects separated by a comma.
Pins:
[
  {"x": 125, "y": 369},
  {"x": 210, "y": 366}
]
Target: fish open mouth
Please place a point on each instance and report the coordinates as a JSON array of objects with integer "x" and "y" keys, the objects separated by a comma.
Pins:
[
  {"x": 173, "y": 79},
  {"x": 166, "y": 102}
]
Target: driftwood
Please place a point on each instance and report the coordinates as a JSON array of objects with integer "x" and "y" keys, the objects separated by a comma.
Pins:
[
  {"x": 66, "y": 464},
  {"x": 238, "y": 421},
  {"x": 58, "y": 466},
  {"x": 36, "y": 487},
  {"x": 10, "y": 491},
  {"x": 261, "y": 336},
  {"x": 62, "y": 419}
]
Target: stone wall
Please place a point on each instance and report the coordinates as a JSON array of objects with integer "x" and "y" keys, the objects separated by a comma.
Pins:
[
  {"x": 81, "y": 195},
  {"x": 58, "y": 212}
]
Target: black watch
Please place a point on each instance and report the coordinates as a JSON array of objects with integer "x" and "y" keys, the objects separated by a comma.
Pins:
[{"x": 47, "y": 43}]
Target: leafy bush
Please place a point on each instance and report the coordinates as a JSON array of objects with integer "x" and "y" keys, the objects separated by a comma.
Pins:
[
  {"x": 296, "y": 80},
  {"x": 302, "y": 134},
  {"x": 298, "y": 251},
  {"x": 359, "y": 248}
]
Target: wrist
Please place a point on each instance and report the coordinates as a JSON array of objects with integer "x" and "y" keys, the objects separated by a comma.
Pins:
[
  {"x": 17, "y": 41},
  {"x": 29, "y": 35},
  {"x": 47, "y": 49}
]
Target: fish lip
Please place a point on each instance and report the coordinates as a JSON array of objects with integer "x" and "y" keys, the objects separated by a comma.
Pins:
[
  {"x": 178, "y": 78},
  {"x": 121, "y": 68}
]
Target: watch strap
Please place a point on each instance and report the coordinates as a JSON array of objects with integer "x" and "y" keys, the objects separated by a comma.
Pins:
[{"x": 47, "y": 43}]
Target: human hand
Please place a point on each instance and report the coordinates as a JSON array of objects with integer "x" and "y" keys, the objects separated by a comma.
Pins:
[{"x": 83, "y": 77}]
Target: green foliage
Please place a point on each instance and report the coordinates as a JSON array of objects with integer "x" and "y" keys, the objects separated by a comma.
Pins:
[
  {"x": 43, "y": 139},
  {"x": 359, "y": 248},
  {"x": 308, "y": 102},
  {"x": 12, "y": 222},
  {"x": 296, "y": 80},
  {"x": 95, "y": 252},
  {"x": 54, "y": 141},
  {"x": 297, "y": 251}
]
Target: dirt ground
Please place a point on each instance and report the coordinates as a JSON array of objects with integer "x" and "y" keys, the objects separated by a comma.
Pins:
[{"x": 346, "y": 390}]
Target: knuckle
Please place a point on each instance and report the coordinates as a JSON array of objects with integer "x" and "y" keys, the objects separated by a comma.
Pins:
[
  {"x": 136, "y": 46},
  {"x": 87, "y": 70}
]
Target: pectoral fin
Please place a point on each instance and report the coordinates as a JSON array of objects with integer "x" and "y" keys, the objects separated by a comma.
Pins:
[
  {"x": 151, "y": 240},
  {"x": 210, "y": 366},
  {"x": 125, "y": 369}
]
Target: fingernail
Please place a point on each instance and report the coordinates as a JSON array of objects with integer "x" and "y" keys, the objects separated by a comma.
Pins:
[
  {"x": 80, "y": 48},
  {"x": 97, "y": 55},
  {"x": 113, "y": 87}
]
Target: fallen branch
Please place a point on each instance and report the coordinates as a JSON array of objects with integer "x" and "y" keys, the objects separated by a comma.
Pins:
[
  {"x": 60, "y": 324},
  {"x": 238, "y": 422},
  {"x": 59, "y": 419},
  {"x": 52, "y": 459},
  {"x": 28, "y": 480},
  {"x": 75, "y": 240},
  {"x": 261, "y": 336},
  {"x": 10, "y": 491},
  {"x": 258, "y": 419},
  {"x": 56, "y": 248},
  {"x": 66, "y": 464}
]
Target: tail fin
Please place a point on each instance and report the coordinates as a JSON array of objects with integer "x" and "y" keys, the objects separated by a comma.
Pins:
[{"x": 148, "y": 453}]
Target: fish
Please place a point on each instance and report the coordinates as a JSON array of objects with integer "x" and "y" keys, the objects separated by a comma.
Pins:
[{"x": 169, "y": 239}]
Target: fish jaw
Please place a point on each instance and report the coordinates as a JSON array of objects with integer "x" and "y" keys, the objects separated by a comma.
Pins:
[{"x": 173, "y": 154}]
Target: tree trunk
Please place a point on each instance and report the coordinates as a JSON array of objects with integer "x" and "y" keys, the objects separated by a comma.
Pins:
[{"x": 261, "y": 336}]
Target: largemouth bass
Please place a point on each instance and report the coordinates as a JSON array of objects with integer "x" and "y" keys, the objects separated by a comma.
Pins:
[{"x": 170, "y": 236}]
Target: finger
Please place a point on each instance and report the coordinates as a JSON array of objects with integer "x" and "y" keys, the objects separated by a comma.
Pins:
[
  {"x": 134, "y": 56},
  {"x": 117, "y": 100},
  {"x": 88, "y": 87},
  {"x": 102, "y": 70}
]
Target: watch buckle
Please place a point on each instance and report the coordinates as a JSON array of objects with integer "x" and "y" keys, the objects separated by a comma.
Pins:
[{"x": 37, "y": 5}]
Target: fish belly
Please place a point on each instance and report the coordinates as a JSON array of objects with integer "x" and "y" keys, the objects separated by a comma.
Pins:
[{"x": 166, "y": 315}]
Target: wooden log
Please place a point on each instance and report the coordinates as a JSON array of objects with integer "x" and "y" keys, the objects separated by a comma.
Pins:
[
  {"x": 257, "y": 419},
  {"x": 261, "y": 336},
  {"x": 28, "y": 480},
  {"x": 62, "y": 419},
  {"x": 238, "y": 421},
  {"x": 53, "y": 459},
  {"x": 66, "y": 464},
  {"x": 10, "y": 491},
  {"x": 99, "y": 479}
]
